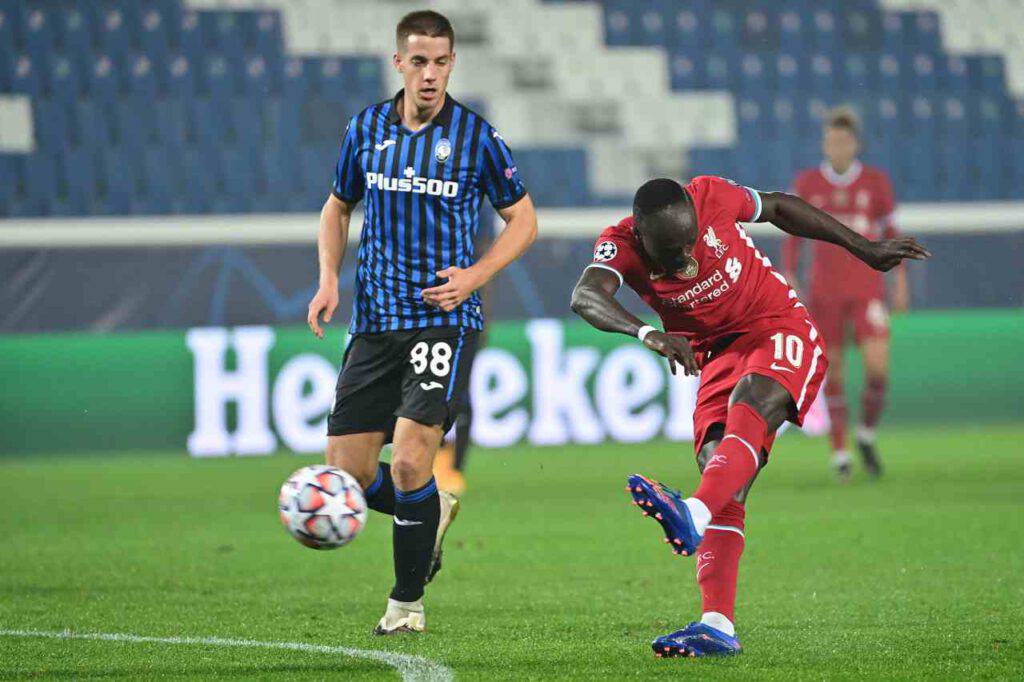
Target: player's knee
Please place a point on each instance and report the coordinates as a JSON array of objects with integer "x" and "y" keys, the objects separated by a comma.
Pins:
[{"x": 362, "y": 465}]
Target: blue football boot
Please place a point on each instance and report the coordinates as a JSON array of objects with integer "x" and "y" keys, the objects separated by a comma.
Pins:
[
  {"x": 667, "y": 508},
  {"x": 694, "y": 641}
]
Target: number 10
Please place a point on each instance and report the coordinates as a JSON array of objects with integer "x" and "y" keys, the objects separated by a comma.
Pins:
[{"x": 793, "y": 347}]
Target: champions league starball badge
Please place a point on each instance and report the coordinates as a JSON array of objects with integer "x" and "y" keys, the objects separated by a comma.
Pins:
[{"x": 443, "y": 150}]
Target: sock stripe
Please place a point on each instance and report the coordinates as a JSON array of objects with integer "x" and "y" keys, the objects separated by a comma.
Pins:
[
  {"x": 375, "y": 486},
  {"x": 418, "y": 495},
  {"x": 757, "y": 462},
  {"x": 732, "y": 529}
]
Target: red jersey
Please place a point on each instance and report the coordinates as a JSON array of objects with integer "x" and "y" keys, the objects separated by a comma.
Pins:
[
  {"x": 861, "y": 198},
  {"x": 734, "y": 288}
]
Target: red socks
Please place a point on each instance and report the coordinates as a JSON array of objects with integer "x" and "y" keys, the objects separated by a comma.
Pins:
[
  {"x": 835, "y": 399},
  {"x": 736, "y": 459},
  {"x": 718, "y": 560},
  {"x": 873, "y": 401}
]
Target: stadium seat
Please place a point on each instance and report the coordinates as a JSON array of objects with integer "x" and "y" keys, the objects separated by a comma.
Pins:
[
  {"x": 26, "y": 77},
  {"x": 65, "y": 79},
  {"x": 179, "y": 78},
  {"x": 102, "y": 79},
  {"x": 154, "y": 35},
  {"x": 76, "y": 174},
  {"x": 74, "y": 36},
  {"x": 113, "y": 35}
]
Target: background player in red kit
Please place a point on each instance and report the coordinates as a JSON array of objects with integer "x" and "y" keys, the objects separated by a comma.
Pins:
[
  {"x": 731, "y": 317},
  {"x": 843, "y": 293}
]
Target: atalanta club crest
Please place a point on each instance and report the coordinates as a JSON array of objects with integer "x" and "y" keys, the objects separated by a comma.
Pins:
[
  {"x": 605, "y": 251},
  {"x": 443, "y": 150}
]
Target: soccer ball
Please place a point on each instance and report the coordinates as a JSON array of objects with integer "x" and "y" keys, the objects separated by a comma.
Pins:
[{"x": 322, "y": 507}]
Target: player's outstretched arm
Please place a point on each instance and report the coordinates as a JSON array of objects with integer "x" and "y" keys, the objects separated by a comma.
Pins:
[
  {"x": 519, "y": 233},
  {"x": 795, "y": 216},
  {"x": 593, "y": 299},
  {"x": 331, "y": 240}
]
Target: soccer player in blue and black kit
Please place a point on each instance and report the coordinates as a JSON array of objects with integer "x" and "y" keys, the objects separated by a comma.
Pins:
[{"x": 421, "y": 163}]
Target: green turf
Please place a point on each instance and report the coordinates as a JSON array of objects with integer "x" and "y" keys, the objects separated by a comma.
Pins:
[{"x": 550, "y": 573}]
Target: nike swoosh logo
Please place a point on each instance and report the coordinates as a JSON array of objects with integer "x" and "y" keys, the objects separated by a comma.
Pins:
[
  {"x": 403, "y": 522},
  {"x": 778, "y": 368},
  {"x": 431, "y": 386},
  {"x": 384, "y": 145}
]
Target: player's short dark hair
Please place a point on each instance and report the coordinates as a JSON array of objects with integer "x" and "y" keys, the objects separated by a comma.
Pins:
[
  {"x": 657, "y": 195},
  {"x": 844, "y": 118},
  {"x": 424, "y": 23}
]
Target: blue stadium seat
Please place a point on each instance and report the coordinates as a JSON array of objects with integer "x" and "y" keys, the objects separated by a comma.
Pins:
[
  {"x": 38, "y": 37},
  {"x": 119, "y": 172},
  {"x": 889, "y": 73},
  {"x": 154, "y": 34},
  {"x": 102, "y": 79},
  {"x": 986, "y": 73},
  {"x": 113, "y": 34},
  {"x": 179, "y": 78},
  {"x": 821, "y": 77},
  {"x": 222, "y": 33},
  {"x": 856, "y": 72},
  {"x": 219, "y": 81},
  {"x": 784, "y": 124},
  {"x": 760, "y": 30},
  {"x": 921, "y": 75},
  {"x": 952, "y": 72},
  {"x": 684, "y": 73},
  {"x": 860, "y": 27},
  {"x": 276, "y": 177},
  {"x": 26, "y": 77},
  {"x": 246, "y": 120},
  {"x": 190, "y": 37},
  {"x": 8, "y": 181},
  {"x": 9, "y": 16},
  {"x": 752, "y": 76},
  {"x": 295, "y": 80},
  {"x": 207, "y": 124},
  {"x": 135, "y": 121},
  {"x": 712, "y": 161},
  {"x": 239, "y": 170},
  {"x": 93, "y": 124},
  {"x": 687, "y": 26},
  {"x": 170, "y": 123},
  {"x": 199, "y": 171},
  {"x": 752, "y": 121},
  {"x": 257, "y": 80},
  {"x": 723, "y": 34},
  {"x": 38, "y": 194},
  {"x": 822, "y": 32},
  {"x": 717, "y": 75},
  {"x": 619, "y": 23},
  {"x": 159, "y": 189},
  {"x": 788, "y": 75},
  {"x": 52, "y": 122},
  {"x": 262, "y": 33},
  {"x": 77, "y": 169},
  {"x": 73, "y": 34},
  {"x": 282, "y": 122},
  {"x": 65, "y": 79},
  {"x": 141, "y": 78}
]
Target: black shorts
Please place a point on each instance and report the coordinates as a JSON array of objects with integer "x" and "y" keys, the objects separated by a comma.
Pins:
[{"x": 419, "y": 374}]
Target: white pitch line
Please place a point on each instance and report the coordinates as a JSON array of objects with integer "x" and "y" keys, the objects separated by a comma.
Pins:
[{"x": 411, "y": 668}]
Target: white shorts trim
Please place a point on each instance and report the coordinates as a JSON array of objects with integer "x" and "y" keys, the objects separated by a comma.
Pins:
[{"x": 810, "y": 375}]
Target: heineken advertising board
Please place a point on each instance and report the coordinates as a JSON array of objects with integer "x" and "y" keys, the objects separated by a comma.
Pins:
[{"x": 253, "y": 390}]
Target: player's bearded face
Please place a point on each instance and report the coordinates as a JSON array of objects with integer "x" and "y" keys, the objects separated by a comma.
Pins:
[{"x": 425, "y": 64}]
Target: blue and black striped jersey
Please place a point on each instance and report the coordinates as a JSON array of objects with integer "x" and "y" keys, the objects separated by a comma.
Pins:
[{"x": 422, "y": 194}]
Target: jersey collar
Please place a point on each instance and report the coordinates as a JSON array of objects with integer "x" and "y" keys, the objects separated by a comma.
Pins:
[
  {"x": 443, "y": 117},
  {"x": 842, "y": 179}
]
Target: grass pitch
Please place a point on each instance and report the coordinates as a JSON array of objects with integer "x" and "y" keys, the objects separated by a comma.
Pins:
[{"x": 549, "y": 572}]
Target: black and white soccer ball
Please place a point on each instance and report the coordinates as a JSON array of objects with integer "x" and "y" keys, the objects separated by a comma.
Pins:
[{"x": 322, "y": 507}]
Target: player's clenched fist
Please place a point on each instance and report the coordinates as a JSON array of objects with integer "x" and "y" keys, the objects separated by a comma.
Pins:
[
  {"x": 675, "y": 348},
  {"x": 325, "y": 301}
]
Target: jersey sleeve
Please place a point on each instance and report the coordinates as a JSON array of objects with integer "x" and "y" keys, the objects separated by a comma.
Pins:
[
  {"x": 499, "y": 174},
  {"x": 615, "y": 251},
  {"x": 741, "y": 203},
  {"x": 348, "y": 176}
]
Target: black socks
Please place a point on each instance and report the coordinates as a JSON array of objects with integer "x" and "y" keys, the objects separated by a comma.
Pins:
[{"x": 416, "y": 517}]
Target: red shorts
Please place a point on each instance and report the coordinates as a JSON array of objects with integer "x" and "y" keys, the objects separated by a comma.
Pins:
[
  {"x": 790, "y": 351},
  {"x": 869, "y": 318}
]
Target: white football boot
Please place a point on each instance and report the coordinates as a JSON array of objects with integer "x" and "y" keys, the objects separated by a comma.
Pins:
[
  {"x": 449, "y": 510},
  {"x": 402, "y": 616}
]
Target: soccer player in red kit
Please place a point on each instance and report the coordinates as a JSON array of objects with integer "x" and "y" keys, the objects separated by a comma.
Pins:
[
  {"x": 843, "y": 293},
  {"x": 729, "y": 316}
]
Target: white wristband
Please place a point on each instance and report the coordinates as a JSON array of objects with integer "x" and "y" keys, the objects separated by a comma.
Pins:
[{"x": 644, "y": 331}]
